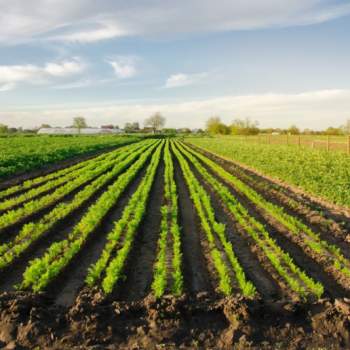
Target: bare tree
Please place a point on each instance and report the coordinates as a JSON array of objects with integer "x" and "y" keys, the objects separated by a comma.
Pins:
[
  {"x": 79, "y": 123},
  {"x": 155, "y": 121}
]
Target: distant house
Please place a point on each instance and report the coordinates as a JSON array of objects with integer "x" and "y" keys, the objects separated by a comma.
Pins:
[{"x": 75, "y": 131}]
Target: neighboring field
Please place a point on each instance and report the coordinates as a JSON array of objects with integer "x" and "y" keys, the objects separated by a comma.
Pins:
[
  {"x": 18, "y": 153},
  {"x": 320, "y": 173},
  {"x": 159, "y": 243}
]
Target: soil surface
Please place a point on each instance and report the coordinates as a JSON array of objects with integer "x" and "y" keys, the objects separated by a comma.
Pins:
[
  {"x": 202, "y": 321},
  {"x": 70, "y": 316}
]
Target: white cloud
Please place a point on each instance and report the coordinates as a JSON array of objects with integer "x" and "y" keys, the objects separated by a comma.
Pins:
[
  {"x": 124, "y": 67},
  {"x": 314, "y": 109},
  {"x": 103, "y": 31},
  {"x": 87, "y": 21},
  {"x": 181, "y": 79},
  {"x": 7, "y": 87},
  {"x": 11, "y": 75}
]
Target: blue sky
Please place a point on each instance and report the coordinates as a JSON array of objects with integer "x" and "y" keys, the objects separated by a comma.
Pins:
[{"x": 277, "y": 62}]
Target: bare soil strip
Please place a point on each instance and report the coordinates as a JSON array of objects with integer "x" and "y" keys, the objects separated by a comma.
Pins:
[
  {"x": 198, "y": 322},
  {"x": 139, "y": 267},
  {"x": 196, "y": 274}
]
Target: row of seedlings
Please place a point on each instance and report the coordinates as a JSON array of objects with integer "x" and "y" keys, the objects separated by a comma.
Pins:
[
  {"x": 328, "y": 255},
  {"x": 224, "y": 260},
  {"x": 31, "y": 183},
  {"x": 12, "y": 217},
  {"x": 108, "y": 269},
  {"x": 299, "y": 282},
  {"x": 167, "y": 268},
  {"x": 303, "y": 207},
  {"x": 33, "y": 231},
  {"x": 42, "y": 271},
  {"x": 60, "y": 181}
]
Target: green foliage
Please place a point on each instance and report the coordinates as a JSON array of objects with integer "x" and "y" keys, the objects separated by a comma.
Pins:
[
  {"x": 326, "y": 253},
  {"x": 170, "y": 232},
  {"x": 42, "y": 270},
  {"x": 213, "y": 230},
  {"x": 21, "y": 153},
  {"x": 34, "y": 230},
  {"x": 321, "y": 173}
]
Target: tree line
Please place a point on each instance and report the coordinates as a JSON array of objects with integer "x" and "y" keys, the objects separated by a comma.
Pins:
[
  {"x": 246, "y": 126},
  {"x": 153, "y": 124}
]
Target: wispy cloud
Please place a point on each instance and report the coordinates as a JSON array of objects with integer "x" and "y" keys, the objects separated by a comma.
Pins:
[
  {"x": 313, "y": 109},
  {"x": 88, "y": 21},
  {"x": 124, "y": 67},
  {"x": 11, "y": 75},
  {"x": 182, "y": 79},
  {"x": 97, "y": 32}
]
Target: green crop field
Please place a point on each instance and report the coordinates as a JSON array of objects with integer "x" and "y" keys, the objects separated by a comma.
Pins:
[
  {"x": 320, "y": 173},
  {"x": 156, "y": 221},
  {"x": 20, "y": 153}
]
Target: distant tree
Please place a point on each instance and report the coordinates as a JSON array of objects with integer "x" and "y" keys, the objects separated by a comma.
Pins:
[
  {"x": 215, "y": 126},
  {"x": 4, "y": 129},
  {"x": 293, "y": 130},
  {"x": 45, "y": 126},
  {"x": 79, "y": 123},
  {"x": 132, "y": 127},
  {"x": 333, "y": 131},
  {"x": 12, "y": 130},
  {"x": 244, "y": 127},
  {"x": 155, "y": 121}
]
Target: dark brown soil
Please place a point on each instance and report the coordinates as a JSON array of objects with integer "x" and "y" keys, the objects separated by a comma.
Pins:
[
  {"x": 139, "y": 268},
  {"x": 198, "y": 322},
  {"x": 195, "y": 270}
]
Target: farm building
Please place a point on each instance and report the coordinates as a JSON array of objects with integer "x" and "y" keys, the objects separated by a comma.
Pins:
[{"x": 75, "y": 131}]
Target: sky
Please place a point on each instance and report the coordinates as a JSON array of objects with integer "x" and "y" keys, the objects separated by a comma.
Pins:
[{"x": 279, "y": 62}]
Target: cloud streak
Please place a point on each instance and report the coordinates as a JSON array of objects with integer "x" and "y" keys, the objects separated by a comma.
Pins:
[
  {"x": 182, "y": 79},
  {"x": 124, "y": 67},
  {"x": 12, "y": 75},
  {"x": 313, "y": 109},
  {"x": 88, "y": 21}
]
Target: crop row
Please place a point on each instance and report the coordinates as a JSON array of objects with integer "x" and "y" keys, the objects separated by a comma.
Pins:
[
  {"x": 120, "y": 240},
  {"x": 32, "y": 231},
  {"x": 37, "y": 151},
  {"x": 326, "y": 254},
  {"x": 215, "y": 234},
  {"x": 43, "y": 270},
  {"x": 58, "y": 181},
  {"x": 306, "y": 168},
  {"x": 297, "y": 279},
  {"x": 16, "y": 215},
  {"x": 168, "y": 262}
]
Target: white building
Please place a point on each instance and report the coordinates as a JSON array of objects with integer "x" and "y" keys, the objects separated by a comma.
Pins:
[{"x": 75, "y": 131}]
